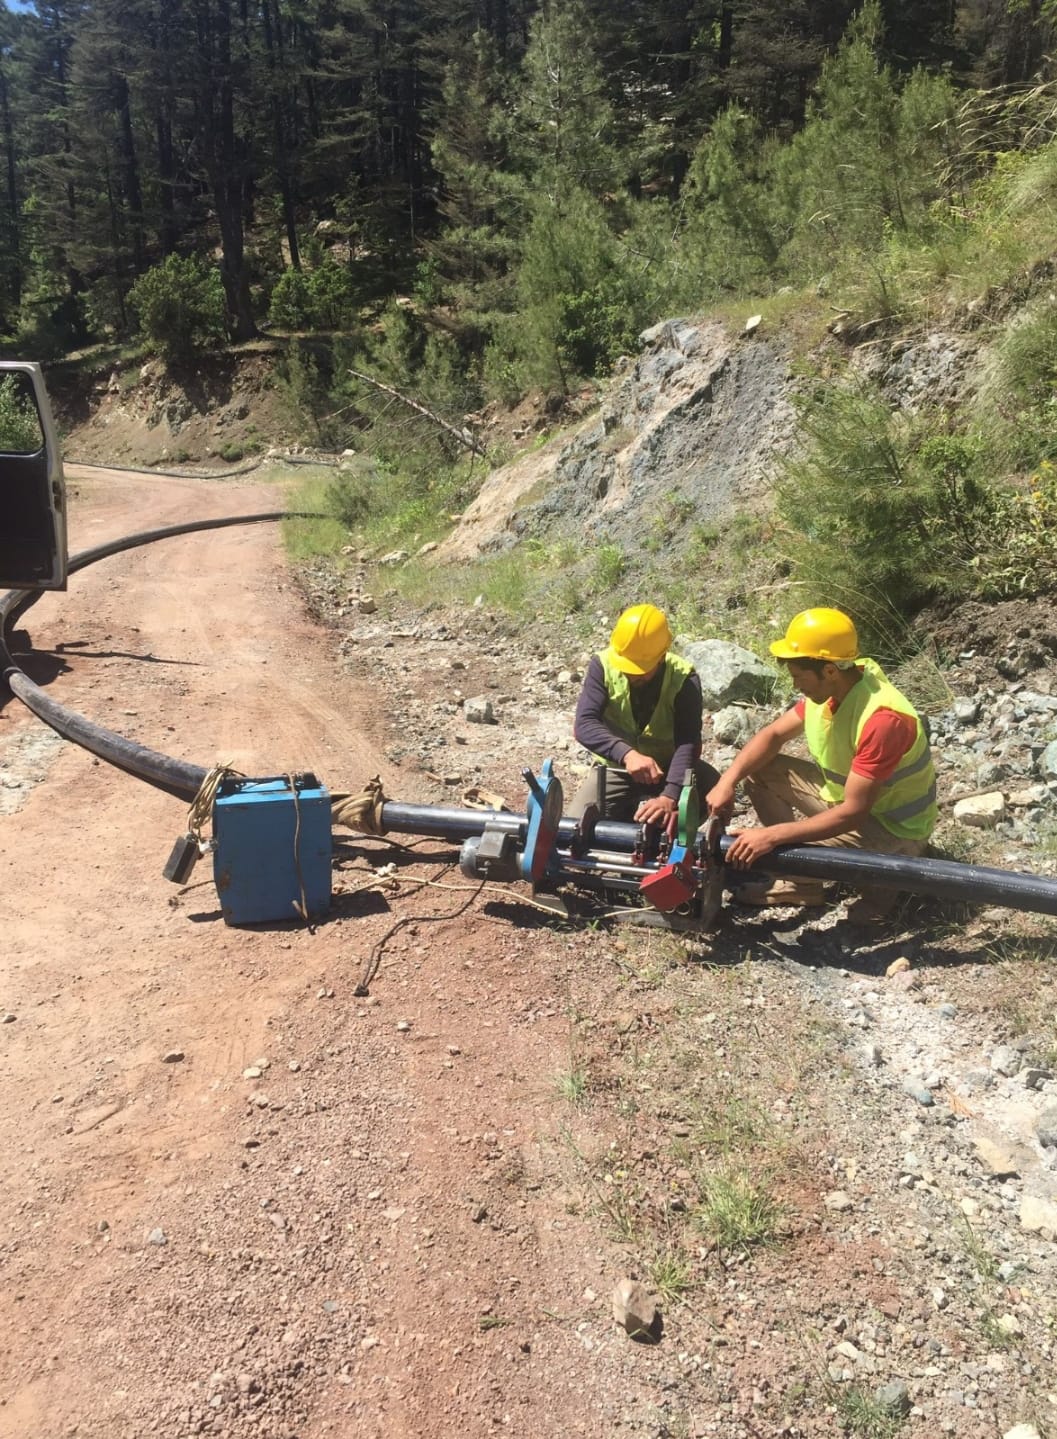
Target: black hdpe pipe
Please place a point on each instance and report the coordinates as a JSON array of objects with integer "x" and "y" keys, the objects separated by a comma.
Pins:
[
  {"x": 174, "y": 776},
  {"x": 857, "y": 868}
]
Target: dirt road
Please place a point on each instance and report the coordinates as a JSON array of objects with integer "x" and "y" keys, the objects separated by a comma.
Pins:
[
  {"x": 360, "y": 1241},
  {"x": 238, "y": 1200}
]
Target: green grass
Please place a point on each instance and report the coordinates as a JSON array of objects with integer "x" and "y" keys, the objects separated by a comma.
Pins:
[
  {"x": 983, "y": 1261},
  {"x": 307, "y": 539},
  {"x": 731, "y": 1126},
  {"x": 737, "y": 1212},
  {"x": 671, "y": 1275},
  {"x": 572, "y": 1086},
  {"x": 860, "y": 1414}
]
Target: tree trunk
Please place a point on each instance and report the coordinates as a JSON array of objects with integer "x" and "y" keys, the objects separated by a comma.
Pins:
[{"x": 227, "y": 184}]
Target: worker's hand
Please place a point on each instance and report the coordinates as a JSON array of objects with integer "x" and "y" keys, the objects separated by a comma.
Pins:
[
  {"x": 750, "y": 846},
  {"x": 642, "y": 769},
  {"x": 720, "y": 799},
  {"x": 656, "y": 810}
]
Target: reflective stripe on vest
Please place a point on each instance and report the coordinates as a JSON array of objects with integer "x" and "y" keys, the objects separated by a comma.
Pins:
[
  {"x": 907, "y": 803},
  {"x": 922, "y": 762},
  {"x": 657, "y": 737}
]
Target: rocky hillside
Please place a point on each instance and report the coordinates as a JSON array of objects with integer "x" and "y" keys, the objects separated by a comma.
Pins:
[{"x": 692, "y": 426}]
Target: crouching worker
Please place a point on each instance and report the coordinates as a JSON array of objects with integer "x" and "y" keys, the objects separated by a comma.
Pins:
[
  {"x": 870, "y": 782},
  {"x": 639, "y": 715}
]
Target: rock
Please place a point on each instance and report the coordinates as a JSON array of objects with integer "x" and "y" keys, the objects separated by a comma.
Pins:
[
  {"x": 8, "y": 1018},
  {"x": 838, "y": 1201},
  {"x": 893, "y": 1398},
  {"x": 898, "y": 966},
  {"x": 981, "y": 811},
  {"x": 253, "y": 1072},
  {"x": 965, "y": 710},
  {"x": 1010, "y": 1325},
  {"x": 728, "y": 673},
  {"x": 915, "y": 1087},
  {"x": 998, "y": 1157},
  {"x": 1026, "y": 798},
  {"x": 1035, "y": 1078},
  {"x": 634, "y": 1308},
  {"x": 1048, "y": 761},
  {"x": 1022, "y": 1431},
  {"x": 753, "y": 323},
  {"x": 1005, "y": 1060},
  {"x": 731, "y": 726},
  {"x": 172, "y": 1056},
  {"x": 395, "y": 557},
  {"x": 478, "y": 711},
  {"x": 158, "y": 1237},
  {"x": 1038, "y": 1215},
  {"x": 1046, "y": 1127},
  {"x": 426, "y": 549},
  {"x": 367, "y": 605}
]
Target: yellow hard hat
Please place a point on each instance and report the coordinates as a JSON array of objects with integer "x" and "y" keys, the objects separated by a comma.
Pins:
[
  {"x": 818, "y": 635},
  {"x": 639, "y": 640}
]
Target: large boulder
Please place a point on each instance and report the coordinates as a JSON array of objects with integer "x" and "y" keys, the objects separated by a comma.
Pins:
[{"x": 729, "y": 675}]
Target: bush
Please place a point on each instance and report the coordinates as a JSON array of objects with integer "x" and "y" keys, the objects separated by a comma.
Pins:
[
  {"x": 291, "y": 304},
  {"x": 322, "y": 298},
  {"x": 333, "y": 297},
  {"x": 350, "y": 497},
  {"x": 180, "y": 306},
  {"x": 883, "y": 512}
]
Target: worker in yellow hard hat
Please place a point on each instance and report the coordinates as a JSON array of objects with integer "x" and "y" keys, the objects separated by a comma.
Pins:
[
  {"x": 639, "y": 716},
  {"x": 870, "y": 783}
]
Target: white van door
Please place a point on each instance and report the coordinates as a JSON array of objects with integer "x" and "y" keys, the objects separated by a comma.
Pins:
[{"x": 32, "y": 487}]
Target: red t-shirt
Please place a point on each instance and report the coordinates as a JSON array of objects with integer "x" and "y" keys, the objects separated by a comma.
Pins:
[{"x": 886, "y": 738}]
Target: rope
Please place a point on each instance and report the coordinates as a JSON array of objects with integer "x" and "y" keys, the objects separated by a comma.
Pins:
[
  {"x": 201, "y": 811},
  {"x": 362, "y": 812}
]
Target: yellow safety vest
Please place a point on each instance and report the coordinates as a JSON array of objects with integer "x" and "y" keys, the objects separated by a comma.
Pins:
[
  {"x": 907, "y": 804},
  {"x": 657, "y": 737}
]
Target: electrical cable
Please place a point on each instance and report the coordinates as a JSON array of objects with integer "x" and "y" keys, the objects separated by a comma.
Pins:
[
  {"x": 374, "y": 959},
  {"x": 302, "y": 909}
]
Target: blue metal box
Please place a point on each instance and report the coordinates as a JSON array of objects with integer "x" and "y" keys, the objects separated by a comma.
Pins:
[{"x": 272, "y": 840}]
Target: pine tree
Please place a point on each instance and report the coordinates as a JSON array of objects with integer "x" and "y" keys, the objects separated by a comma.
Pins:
[{"x": 479, "y": 198}]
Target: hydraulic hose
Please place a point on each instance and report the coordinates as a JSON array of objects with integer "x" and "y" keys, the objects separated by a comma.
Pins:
[{"x": 174, "y": 776}]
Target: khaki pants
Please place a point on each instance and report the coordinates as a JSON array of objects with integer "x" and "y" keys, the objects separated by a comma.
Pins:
[
  {"x": 623, "y": 795},
  {"x": 788, "y": 787}
]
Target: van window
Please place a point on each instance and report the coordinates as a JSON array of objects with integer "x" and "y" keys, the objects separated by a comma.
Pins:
[{"x": 20, "y": 428}]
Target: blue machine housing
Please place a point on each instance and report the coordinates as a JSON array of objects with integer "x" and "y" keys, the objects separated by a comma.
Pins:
[{"x": 272, "y": 839}]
